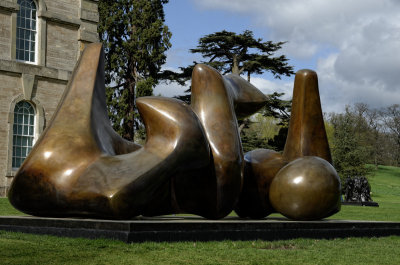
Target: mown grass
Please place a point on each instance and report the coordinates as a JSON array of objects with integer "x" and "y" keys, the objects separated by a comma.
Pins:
[
  {"x": 19, "y": 248},
  {"x": 385, "y": 188},
  {"x": 7, "y": 209}
]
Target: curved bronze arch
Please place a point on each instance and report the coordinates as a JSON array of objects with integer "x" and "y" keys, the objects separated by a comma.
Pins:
[{"x": 192, "y": 160}]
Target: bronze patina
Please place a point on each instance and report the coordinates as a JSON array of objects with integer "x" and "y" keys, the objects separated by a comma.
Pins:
[
  {"x": 192, "y": 161},
  {"x": 307, "y": 188}
]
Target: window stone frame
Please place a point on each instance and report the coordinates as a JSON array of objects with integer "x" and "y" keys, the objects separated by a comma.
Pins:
[
  {"x": 38, "y": 128},
  {"x": 27, "y": 126},
  {"x": 41, "y": 28}
]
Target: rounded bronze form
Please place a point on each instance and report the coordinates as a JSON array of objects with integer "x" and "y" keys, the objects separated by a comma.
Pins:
[
  {"x": 307, "y": 188},
  {"x": 261, "y": 166},
  {"x": 247, "y": 99},
  {"x": 213, "y": 103}
]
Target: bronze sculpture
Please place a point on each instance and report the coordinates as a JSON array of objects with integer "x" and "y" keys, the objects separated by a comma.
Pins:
[
  {"x": 192, "y": 160},
  {"x": 272, "y": 188}
]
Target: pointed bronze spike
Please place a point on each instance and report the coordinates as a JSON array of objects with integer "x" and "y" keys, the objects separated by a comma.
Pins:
[
  {"x": 306, "y": 135},
  {"x": 65, "y": 148},
  {"x": 80, "y": 166},
  {"x": 308, "y": 187}
]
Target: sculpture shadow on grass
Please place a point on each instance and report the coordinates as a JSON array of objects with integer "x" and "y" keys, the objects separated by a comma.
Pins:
[{"x": 192, "y": 161}]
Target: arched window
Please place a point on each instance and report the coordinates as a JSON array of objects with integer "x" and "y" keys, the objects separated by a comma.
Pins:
[
  {"x": 26, "y": 31},
  {"x": 23, "y": 132}
]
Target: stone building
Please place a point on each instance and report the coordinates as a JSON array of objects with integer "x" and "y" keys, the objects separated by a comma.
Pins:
[{"x": 40, "y": 42}]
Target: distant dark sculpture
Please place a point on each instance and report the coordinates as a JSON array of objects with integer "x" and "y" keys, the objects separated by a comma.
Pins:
[
  {"x": 357, "y": 189},
  {"x": 192, "y": 161}
]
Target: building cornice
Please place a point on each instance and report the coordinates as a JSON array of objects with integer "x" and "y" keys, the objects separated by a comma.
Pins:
[
  {"x": 9, "y": 6},
  {"x": 89, "y": 15},
  {"x": 84, "y": 34},
  {"x": 14, "y": 67},
  {"x": 58, "y": 18}
]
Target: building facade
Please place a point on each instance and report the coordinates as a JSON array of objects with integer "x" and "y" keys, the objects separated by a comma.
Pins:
[{"x": 40, "y": 42}]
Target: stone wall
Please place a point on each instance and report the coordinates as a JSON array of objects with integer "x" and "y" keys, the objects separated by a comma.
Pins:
[
  {"x": 48, "y": 93},
  {"x": 69, "y": 8},
  {"x": 10, "y": 86},
  {"x": 62, "y": 46},
  {"x": 64, "y": 27},
  {"x": 45, "y": 94},
  {"x": 5, "y": 36}
]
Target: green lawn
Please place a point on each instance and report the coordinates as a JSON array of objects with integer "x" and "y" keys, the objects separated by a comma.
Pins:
[
  {"x": 7, "y": 209},
  {"x": 18, "y": 248},
  {"x": 385, "y": 188}
]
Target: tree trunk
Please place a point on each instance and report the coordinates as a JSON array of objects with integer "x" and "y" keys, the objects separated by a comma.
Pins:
[
  {"x": 235, "y": 66},
  {"x": 243, "y": 124},
  {"x": 398, "y": 151},
  {"x": 248, "y": 76},
  {"x": 129, "y": 122}
]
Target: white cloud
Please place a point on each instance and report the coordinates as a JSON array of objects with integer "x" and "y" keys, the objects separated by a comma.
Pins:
[
  {"x": 337, "y": 91},
  {"x": 169, "y": 90},
  {"x": 268, "y": 87},
  {"x": 355, "y": 43},
  {"x": 313, "y": 22},
  {"x": 264, "y": 85}
]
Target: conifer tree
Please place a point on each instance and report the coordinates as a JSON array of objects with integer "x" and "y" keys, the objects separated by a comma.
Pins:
[
  {"x": 135, "y": 40},
  {"x": 234, "y": 53},
  {"x": 240, "y": 54}
]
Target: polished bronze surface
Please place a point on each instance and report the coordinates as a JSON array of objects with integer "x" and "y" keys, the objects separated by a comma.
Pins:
[
  {"x": 213, "y": 103},
  {"x": 307, "y": 188},
  {"x": 317, "y": 195},
  {"x": 80, "y": 166},
  {"x": 247, "y": 99},
  {"x": 306, "y": 135},
  {"x": 192, "y": 160},
  {"x": 261, "y": 166}
]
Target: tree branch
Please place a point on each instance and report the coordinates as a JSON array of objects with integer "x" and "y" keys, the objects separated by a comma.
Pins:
[{"x": 118, "y": 86}]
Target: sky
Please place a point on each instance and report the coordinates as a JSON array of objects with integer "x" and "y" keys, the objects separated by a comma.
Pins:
[{"x": 353, "y": 45}]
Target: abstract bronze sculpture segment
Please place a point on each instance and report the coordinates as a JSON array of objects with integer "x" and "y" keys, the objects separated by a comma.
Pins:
[
  {"x": 213, "y": 104},
  {"x": 301, "y": 183},
  {"x": 306, "y": 135},
  {"x": 307, "y": 188},
  {"x": 192, "y": 160},
  {"x": 261, "y": 166},
  {"x": 80, "y": 166}
]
